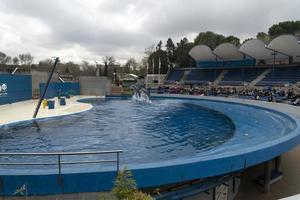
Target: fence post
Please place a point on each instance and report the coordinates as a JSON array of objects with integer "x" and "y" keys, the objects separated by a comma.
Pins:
[
  {"x": 118, "y": 161},
  {"x": 59, "y": 165}
]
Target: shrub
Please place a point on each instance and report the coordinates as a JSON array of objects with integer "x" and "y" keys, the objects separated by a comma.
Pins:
[{"x": 125, "y": 187}]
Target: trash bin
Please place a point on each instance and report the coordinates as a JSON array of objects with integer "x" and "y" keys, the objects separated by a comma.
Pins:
[
  {"x": 45, "y": 103},
  {"x": 62, "y": 101},
  {"x": 51, "y": 104}
]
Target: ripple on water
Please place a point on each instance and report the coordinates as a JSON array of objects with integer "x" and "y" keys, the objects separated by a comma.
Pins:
[{"x": 165, "y": 129}]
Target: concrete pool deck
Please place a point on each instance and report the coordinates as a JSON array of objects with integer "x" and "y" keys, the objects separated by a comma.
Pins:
[{"x": 24, "y": 110}]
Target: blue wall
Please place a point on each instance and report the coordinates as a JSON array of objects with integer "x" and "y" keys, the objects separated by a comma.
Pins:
[
  {"x": 229, "y": 63},
  {"x": 64, "y": 88},
  {"x": 18, "y": 88}
]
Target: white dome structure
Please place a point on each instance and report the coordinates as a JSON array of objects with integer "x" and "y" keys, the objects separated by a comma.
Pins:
[
  {"x": 202, "y": 53},
  {"x": 228, "y": 51},
  {"x": 286, "y": 44}
]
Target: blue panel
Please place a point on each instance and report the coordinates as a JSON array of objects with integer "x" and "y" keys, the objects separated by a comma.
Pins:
[
  {"x": 60, "y": 88},
  {"x": 15, "y": 88},
  {"x": 228, "y": 63}
]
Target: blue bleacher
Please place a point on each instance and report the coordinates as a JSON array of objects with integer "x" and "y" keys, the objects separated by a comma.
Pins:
[
  {"x": 281, "y": 76},
  {"x": 202, "y": 76},
  {"x": 239, "y": 76},
  {"x": 174, "y": 75}
]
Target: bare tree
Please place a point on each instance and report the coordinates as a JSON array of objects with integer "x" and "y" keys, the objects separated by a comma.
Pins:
[
  {"x": 149, "y": 50},
  {"x": 131, "y": 64},
  {"x": 26, "y": 59},
  {"x": 2, "y": 58},
  {"x": 15, "y": 61},
  {"x": 8, "y": 60},
  {"x": 108, "y": 62}
]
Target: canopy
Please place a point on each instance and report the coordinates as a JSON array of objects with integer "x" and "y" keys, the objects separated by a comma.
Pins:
[
  {"x": 202, "y": 53},
  {"x": 286, "y": 44},
  {"x": 228, "y": 51},
  {"x": 257, "y": 49}
]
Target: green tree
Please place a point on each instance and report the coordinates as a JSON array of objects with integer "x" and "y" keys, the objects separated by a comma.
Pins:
[
  {"x": 210, "y": 39},
  {"x": 158, "y": 57},
  {"x": 233, "y": 40},
  {"x": 263, "y": 36},
  {"x": 159, "y": 45},
  {"x": 125, "y": 187},
  {"x": 247, "y": 40},
  {"x": 286, "y": 27},
  {"x": 170, "y": 50},
  {"x": 182, "y": 53}
]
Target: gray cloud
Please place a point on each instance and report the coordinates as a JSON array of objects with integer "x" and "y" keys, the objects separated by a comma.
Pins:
[{"x": 84, "y": 29}]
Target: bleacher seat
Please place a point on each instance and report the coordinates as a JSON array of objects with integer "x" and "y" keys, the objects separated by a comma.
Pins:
[
  {"x": 281, "y": 76},
  {"x": 237, "y": 77},
  {"x": 202, "y": 76},
  {"x": 174, "y": 75}
]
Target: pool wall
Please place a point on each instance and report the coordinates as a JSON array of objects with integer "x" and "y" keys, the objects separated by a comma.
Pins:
[
  {"x": 151, "y": 175},
  {"x": 63, "y": 88}
]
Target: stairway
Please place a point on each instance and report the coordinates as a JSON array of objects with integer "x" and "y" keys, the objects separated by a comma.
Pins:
[
  {"x": 220, "y": 77},
  {"x": 260, "y": 77},
  {"x": 185, "y": 75}
]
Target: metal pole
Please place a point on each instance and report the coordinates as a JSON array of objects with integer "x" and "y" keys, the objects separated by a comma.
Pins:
[
  {"x": 59, "y": 165},
  {"x": 147, "y": 67},
  {"x": 152, "y": 70},
  {"x": 147, "y": 77},
  {"x": 118, "y": 161},
  {"x": 159, "y": 66},
  {"x": 274, "y": 60},
  {"x": 44, "y": 93}
]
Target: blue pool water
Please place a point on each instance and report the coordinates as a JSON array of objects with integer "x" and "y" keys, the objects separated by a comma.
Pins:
[{"x": 166, "y": 130}]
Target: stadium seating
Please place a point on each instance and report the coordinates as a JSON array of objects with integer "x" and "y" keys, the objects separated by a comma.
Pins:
[
  {"x": 174, "y": 75},
  {"x": 202, "y": 77},
  {"x": 281, "y": 76},
  {"x": 240, "y": 76}
]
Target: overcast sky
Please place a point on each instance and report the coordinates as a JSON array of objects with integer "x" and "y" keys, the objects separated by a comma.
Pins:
[{"x": 89, "y": 29}]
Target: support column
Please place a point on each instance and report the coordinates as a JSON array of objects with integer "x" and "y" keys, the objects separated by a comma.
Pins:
[
  {"x": 277, "y": 163},
  {"x": 267, "y": 176}
]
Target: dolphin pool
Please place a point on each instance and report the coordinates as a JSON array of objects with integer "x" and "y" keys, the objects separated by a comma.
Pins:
[
  {"x": 168, "y": 141},
  {"x": 162, "y": 130}
]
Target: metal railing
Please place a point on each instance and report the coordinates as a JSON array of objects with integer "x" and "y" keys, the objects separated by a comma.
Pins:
[{"x": 59, "y": 156}]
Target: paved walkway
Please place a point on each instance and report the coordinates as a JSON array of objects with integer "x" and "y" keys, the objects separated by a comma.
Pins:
[{"x": 289, "y": 185}]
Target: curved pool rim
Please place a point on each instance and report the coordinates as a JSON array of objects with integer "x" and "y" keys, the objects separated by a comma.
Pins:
[{"x": 162, "y": 173}]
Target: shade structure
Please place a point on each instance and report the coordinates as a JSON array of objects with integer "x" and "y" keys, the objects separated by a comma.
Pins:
[
  {"x": 202, "y": 53},
  {"x": 257, "y": 49},
  {"x": 228, "y": 51},
  {"x": 286, "y": 44}
]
